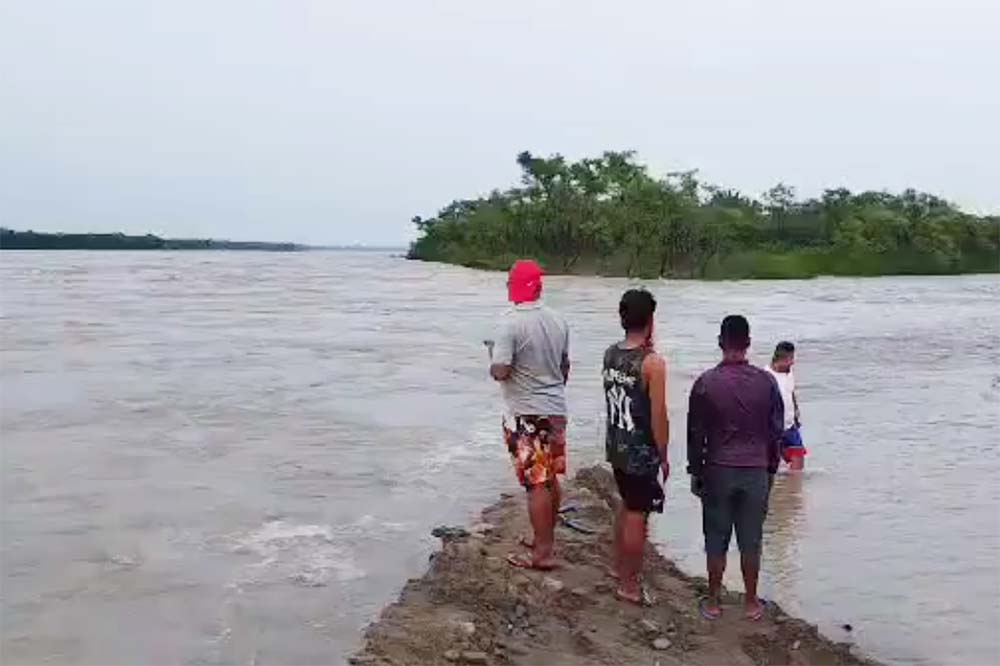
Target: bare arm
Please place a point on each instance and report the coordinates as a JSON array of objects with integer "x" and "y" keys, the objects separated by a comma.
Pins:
[
  {"x": 654, "y": 370},
  {"x": 777, "y": 428},
  {"x": 795, "y": 402},
  {"x": 502, "y": 353}
]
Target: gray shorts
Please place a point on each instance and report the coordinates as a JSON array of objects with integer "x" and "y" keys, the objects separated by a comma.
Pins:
[{"x": 734, "y": 497}]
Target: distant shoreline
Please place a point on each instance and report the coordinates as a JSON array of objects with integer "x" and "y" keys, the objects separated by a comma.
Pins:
[
  {"x": 32, "y": 240},
  {"x": 756, "y": 266},
  {"x": 38, "y": 241}
]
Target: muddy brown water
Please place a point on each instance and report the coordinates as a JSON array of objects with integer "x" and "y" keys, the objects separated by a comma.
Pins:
[{"x": 222, "y": 458}]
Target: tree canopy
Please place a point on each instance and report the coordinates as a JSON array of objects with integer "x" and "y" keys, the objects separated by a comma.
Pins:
[{"x": 610, "y": 215}]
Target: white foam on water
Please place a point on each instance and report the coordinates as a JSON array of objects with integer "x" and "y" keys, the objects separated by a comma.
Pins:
[
  {"x": 302, "y": 553},
  {"x": 369, "y": 523}
]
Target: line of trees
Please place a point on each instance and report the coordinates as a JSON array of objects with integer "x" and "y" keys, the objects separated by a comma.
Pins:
[
  {"x": 609, "y": 215},
  {"x": 32, "y": 240}
]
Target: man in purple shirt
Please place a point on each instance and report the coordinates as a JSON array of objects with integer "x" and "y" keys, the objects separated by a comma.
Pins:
[{"x": 735, "y": 424}]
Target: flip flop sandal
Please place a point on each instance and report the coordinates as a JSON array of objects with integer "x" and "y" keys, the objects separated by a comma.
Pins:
[
  {"x": 706, "y": 612},
  {"x": 645, "y": 599},
  {"x": 526, "y": 542},
  {"x": 524, "y": 562},
  {"x": 576, "y": 525},
  {"x": 756, "y": 615}
]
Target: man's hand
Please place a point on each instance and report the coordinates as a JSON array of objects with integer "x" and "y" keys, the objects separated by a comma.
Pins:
[
  {"x": 501, "y": 372},
  {"x": 697, "y": 486}
]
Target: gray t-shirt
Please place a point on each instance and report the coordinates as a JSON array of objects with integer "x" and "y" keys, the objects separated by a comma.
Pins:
[{"x": 533, "y": 340}]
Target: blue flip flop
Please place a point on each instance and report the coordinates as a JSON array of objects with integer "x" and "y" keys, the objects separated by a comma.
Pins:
[
  {"x": 576, "y": 525},
  {"x": 757, "y": 615},
  {"x": 705, "y": 613}
]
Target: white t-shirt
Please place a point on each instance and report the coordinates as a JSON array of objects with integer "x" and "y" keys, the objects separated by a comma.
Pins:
[
  {"x": 786, "y": 384},
  {"x": 534, "y": 340}
]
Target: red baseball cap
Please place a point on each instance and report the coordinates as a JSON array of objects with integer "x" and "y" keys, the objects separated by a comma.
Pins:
[{"x": 524, "y": 282}]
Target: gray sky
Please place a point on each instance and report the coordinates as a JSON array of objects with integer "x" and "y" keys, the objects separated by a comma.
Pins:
[{"x": 331, "y": 121}]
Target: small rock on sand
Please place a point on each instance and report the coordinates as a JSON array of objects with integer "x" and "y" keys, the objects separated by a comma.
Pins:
[
  {"x": 471, "y": 657},
  {"x": 796, "y": 645},
  {"x": 448, "y": 533},
  {"x": 520, "y": 610},
  {"x": 662, "y": 643},
  {"x": 482, "y": 528},
  {"x": 359, "y": 659},
  {"x": 552, "y": 584},
  {"x": 649, "y": 626},
  {"x": 579, "y": 592},
  {"x": 467, "y": 628},
  {"x": 452, "y": 655}
]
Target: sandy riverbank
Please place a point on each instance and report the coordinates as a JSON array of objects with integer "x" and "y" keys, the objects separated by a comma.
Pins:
[{"x": 472, "y": 607}]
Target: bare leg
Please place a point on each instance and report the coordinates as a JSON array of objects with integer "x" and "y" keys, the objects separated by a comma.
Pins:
[
  {"x": 750, "y": 565},
  {"x": 632, "y": 542},
  {"x": 797, "y": 463},
  {"x": 556, "y": 497},
  {"x": 616, "y": 549},
  {"x": 556, "y": 500},
  {"x": 543, "y": 525},
  {"x": 716, "y": 568}
]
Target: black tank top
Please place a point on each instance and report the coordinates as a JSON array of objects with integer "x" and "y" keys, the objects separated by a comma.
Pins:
[{"x": 629, "y": 443}]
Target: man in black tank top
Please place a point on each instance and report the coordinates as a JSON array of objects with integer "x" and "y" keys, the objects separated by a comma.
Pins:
[{"x": 635, "y": 390}]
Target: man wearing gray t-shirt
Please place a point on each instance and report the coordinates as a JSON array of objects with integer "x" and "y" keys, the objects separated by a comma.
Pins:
[{"x": 530, "y": 359}]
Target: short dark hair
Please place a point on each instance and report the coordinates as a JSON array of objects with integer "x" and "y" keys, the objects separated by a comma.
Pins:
[
  {"x": 734, "y": 332},
  {"x": 636, "y": 309},
  {"x": 784, "y": 348}
]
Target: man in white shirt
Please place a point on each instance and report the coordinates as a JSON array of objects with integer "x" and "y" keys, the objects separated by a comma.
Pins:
[
  {"x": 792, "y": 450},
  {"x": 530, "y": 359}
]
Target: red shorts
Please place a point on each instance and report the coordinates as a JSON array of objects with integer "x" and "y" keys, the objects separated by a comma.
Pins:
[{"x": 537, "y": 446}]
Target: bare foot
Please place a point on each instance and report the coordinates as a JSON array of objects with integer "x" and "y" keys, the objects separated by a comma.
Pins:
[
  {"x": 631, "y": 594},
  {"x": 526, "y": 562}
]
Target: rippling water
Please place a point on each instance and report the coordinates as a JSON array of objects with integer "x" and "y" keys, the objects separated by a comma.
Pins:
[{"x": 218, "y": 458}]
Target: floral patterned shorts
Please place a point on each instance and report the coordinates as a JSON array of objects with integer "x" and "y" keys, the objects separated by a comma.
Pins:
[{"x": 537, "y": 446}]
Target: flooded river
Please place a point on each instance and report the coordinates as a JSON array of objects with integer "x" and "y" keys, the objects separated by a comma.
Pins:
[{"x": 236, "y": 458}]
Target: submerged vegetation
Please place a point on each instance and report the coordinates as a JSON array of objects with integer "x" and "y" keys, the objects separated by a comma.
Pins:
[{"x": 609, "y": 215}]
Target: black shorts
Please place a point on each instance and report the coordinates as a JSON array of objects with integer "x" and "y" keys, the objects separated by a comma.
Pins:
[
  {"x": 640, "y": 492},
  {"x": 734, "y": 498}
]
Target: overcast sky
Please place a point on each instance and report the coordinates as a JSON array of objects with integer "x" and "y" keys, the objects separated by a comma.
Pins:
[{"x": 336, "y": 122}]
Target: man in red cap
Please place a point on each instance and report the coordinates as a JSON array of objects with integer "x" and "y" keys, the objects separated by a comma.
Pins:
[{"x": 530, "y": 359}]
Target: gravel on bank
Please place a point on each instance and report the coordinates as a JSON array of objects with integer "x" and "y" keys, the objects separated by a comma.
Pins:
[{"x": 472, "y": 607}]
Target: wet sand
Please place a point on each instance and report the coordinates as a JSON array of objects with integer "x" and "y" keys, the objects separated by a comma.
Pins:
[{"x": 473, "y": 607}]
